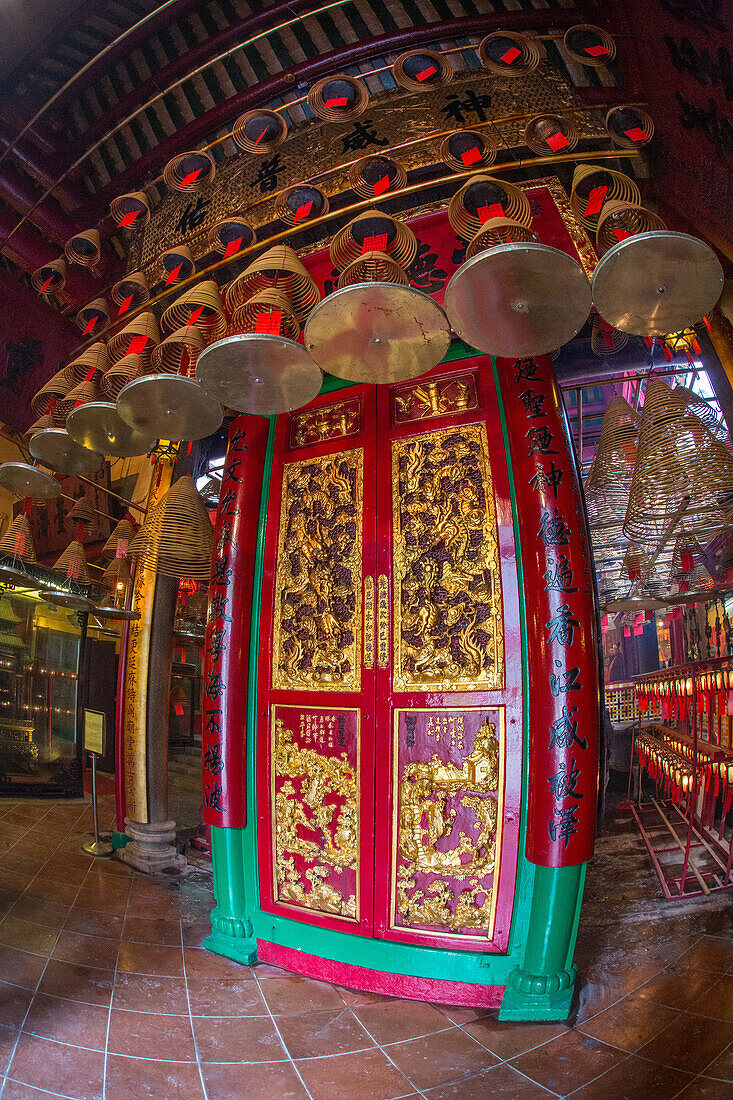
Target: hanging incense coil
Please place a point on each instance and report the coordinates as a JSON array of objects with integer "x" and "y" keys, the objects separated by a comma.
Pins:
[
  {"x": 116, "y": 574},
  {"x": 373, "y": 267},
  {"x": 259, "y": 131},
  {"x": 629, "y": 127},
  {"x": 50, "y": 277},
  {"x": 551, "y": 134},
  {"x": 418, "y": 69},
  {"x": 177, "y": 354},
  {"x": 589, "y": 45},
  {"x": 619, "y": 220},
  {"x": 277, "y": 268},
  {"x": 96, "y": 311},
  {"x": 44, "y": 421},
  {"x": 119, "y": 539},
  {"x": 190, "y": 172},
  {"x": 373, "y": 231},
  {"x": 94, "y": 357},
  {"x": 593, "y": 187},
  {"x": 82, "y": 393},
  {"x": 499, "y": 231},
  {"x": 609, "y": 479},
  {"x": 17, "y": 542},
  {"x": 119, "y": 374},
  {"x": 376, "y": 175},
  {"x": 230, "y": 235},
  {"x": 508, "y": 53},
  {"x": 300, "y": 203},
  {"x": 468, "y": 149},
  {"x": 73, "y": 563},
  {"x": 205, "y": 302},
  {"x": 178, "y": 264},
  {"x": 82, "y": 512},
  {"x": 139, "y": 337},
  {"x": 606, "y": 340},
  {"x": 177, "y": 538},
  {"x": 483, "y": 197},
  {"x": 130, "y": 211},
  {"x": 132, "y": 291},
  {"x": 56, "y": 387},
  {"x": 268, "y": 303},
  {"x": 338, "y": 98},
  {"x": 84, "y": 249},
  {"x": 701, "y": 408}
]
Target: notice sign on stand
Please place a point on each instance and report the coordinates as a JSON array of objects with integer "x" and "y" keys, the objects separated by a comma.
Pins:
[{"x": 94, "y": 731}]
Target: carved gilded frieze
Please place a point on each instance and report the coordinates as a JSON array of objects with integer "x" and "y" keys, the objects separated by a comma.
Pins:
[
  {"x": 425, "y": 400},
  {"x": 309, "y": 427}
]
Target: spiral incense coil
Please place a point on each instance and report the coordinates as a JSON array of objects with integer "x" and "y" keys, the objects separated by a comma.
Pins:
[
  {"x": 132, "y": 291},
  {"x": 204, "y": 301},
  {"x": 619, "y": 220},
  {"x": 96, "y": 311},
  {"x": 177, "y": 538},
  {"x": 58, "y": 386},
  {"x": 119, "y": 374},
  {"x": 589, "y": 45},
  {"x": 508, "y": 53},
  {"x": 338, "y": 98},
  {"x": 418, "y": 69},
  {"x": 259, "y": 131},
  {"x": 699, "y": 406},
  {"x": 373, "y": 176},
  {"x": 550, "y": 134},
  {"x": 82, "y": 512},
  {"x": 629, "y": 127},
  {"x": 278, "y": 268},
  {"x": 230, "y": 235},
  {"x": 50, "y": 277},
  {"x": 373, "y": 267},
  {"x": 73, "y": 563},
  {"x": 190, "y": 172},
  {"x": 375, "y": 232},
  {"x": 117, "y": 573},
  {"x": 44, "y": 421},
  {"x": 17, "y": 542},
  {"x": 300, "y": 203},
  {"x": 482, "y": 198},
  {"x": 177, "y": 264},
  {"x": 177, "y": 354},
  {"x": 612, "y": 467},
  {"x": 79, "y": 395},
  {"x": 499, "y": 231},
  {"x": 468, "y": 149},
  {"x": 94, "y": 357},
  {"x": 130, "y": 211},
  {"x": 593, "y": 187},
  {"x": 84, "y": 249},
  {"x": 246, "y": 318},
  {"x": 139, "y": 337},
  {"x": 606, "y": 340}
]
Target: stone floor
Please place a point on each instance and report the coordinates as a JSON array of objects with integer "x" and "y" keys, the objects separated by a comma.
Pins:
[{"x": 107, "y": 994}]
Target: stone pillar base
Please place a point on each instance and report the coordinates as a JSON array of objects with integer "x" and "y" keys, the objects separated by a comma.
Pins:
[{"x": 150, "y": 847}]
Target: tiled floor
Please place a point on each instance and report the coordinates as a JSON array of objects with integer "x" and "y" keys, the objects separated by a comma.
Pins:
[{"x": 105, "y": 992}]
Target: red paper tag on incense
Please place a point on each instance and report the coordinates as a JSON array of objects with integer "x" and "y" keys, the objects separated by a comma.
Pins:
[
  {"x": 470, "y": 156},
  {"x": 195, "y": 316},
  {"x": 495, "y": 210},
  {"x": 636, "y": 134},
  {"x": 121, "y": 551},
  {"x": 72, "y": 573},
  {"x": 232, "y": 247},
  {"x": 128, "y": 219},
  {"x": 173, "y": 275},
  {"x": 125, "y": 306},
  {"x": 269, "y": 322},
  {"x": 557, "y": 141},
  {"x": 137, "y": 344},
  {"x": 46, "y": 285},
  {"x": 595, "y": 200},
  {"x": 620, "y": 234},
  {"x": 259, "y": 139},
  {"x": 178, "y": 708},
  {"x": 19, "y": 543},
  {"x": 511, "y": 55},
  {"x": 596, "y": 51},
  {"x": 381, "y": 185},
  {"x": 376, "y": 243},
  {"x": 338, "y": 101},
  {"x": 90, "y": 325},
  {"x": 426, "y": 73},
  {"x": 191, "y": 177},
  {"x": 303, "y": 211}
]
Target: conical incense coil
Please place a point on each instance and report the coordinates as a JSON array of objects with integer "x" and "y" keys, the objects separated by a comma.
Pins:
[
  {"x": 17, "y": 542},
  {"x": 551, "y": 134},
  {"x": 418, "y": 69},
  {"x": 373, "y": 176},
  {"x": 82, "y": 512},
  {"x": 230, "y": 235},
  {"x": 300, "y": 203},
  {"x": 85, "y": 391},
  {"x": 139, "y": 337},
  {"x": 372, "y": 267},
  {"x": 482, "y": 198},
  {"x": 84, "y": 249},
  {"x": 93, "y": 317},
  {"x": 683, "y": 475},
  {"x": 701, "y": 408},
  {"x": 606, "y": 340},
  {"x": 190, "y": 172},
  {"x": 94, "y": 357},
  {"x": 278, "y": 268},
  {"x": 498, "y": 231},
  {"x": 119, "y": 374},
  {"x": 56, "y": 387},
  {"x": 468, "y": 149},
  {"x": 44, "y": 421},
  {"x": 50, "y": 277},
  {"x": 373, "y": 231},
  {"x": 508, "y": 53},
  {"x": 589, "y": 45},
  {"x": 132, "y": 291},
  {"x": 338, "y": 98},
  {"x": 270, "y": 312},
  {"x": 259, "y": 131},
  {"x": 201, "y": 306},
  {"x": 73, "y": 563},
  {"x": 116, "y": 575},
  {"x": 619, "y": 220},
  {"x": 629, "y": 127},
  {"x": 178, "y": 264},
  {"x": 177, "y": 538},
  {"x": 593, "y": 187},
  {"x": 617, "y": 445},
  {"x": 177, "y": 354},
  {"x": 131, "y": 211},
  {"x": 118, "y": 542}
]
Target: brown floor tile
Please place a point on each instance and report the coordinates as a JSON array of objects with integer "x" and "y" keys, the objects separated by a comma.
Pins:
[
  {"x": 296, "y": 994},
  {"x": 195, "y": 932},
  {"x": 90, "y": 923},
  {"x": 25, "y": 936},
  {"x": 722, "y": 1067},
  {"x": 499, "y": 1081},
  {"x": 225, "y": 998},
  {"x": 14, "y": 1001},
  {"x": 717, "y": 1001},
  {"x": 58, "y": 1067},
  {"x": 316, "y": 1034},
  {"x": 55, "y": 892},
  {"x": 68, "y": 1021},
  {"x": 506, "y": 1040},
  {"x": 710, "y": 953},
  {"x": 145, "y": 958},
  {"x": 630, "y": 1023},
  {"x": 40, "y": 911},
  {"x": 60, "y": 868},
  {"x": 144, "y": 1036},
  {"x": 87, "y": 950},
  {"x": 702, "y": 1088},
  {"x": 368, "y": 1075},
  {"x": 76, "y": 982},
  {"x": 689, "y": 1043},
  {"x": 677, "y": 987},
  {"x": 145, "y": 930},
  {"x": 276, "y": 1081},
  {"x": 17, "y": 859},
  {"x": 459, "y": 1014},
  {"x": 128, "y": 1078},
  {"x": 147, "y": 993},
  {"x": 162, "y": 908},
  {"x": 567, "y": 1062},
  {"x": 201, "y": 963},
  {"x": 634, "y": 1078},
  {"x": 20, "y": 967},
  {"x": 249, "y": 1038},
  {"x": 265, "y": 970},
  {"x": 98, "y": 901},
  {"x": 8, "y": 1039},
  {"x": 437, "y": 1059},
  {"x": 393, "y": 1021}
]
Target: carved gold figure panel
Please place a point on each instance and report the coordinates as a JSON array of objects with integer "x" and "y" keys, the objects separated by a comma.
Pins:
[
  {"x": 317, "y": 628},
  {"x": 448, "y": 622}
]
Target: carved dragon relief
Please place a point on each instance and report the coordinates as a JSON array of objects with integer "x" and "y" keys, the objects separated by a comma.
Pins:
[
  {"x": 447, "y": 613},
  {"x": 318, "y": 603}
]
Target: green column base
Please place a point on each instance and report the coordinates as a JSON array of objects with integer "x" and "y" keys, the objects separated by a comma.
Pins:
[
  {"x": 232, "y": 947},
  {"x": 231, "y": 928},
  {"x": 538, "y": 996}
]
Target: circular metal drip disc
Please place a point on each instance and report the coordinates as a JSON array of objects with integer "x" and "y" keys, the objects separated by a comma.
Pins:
[
  {"x": 27, "y": 481},
  {"x": 656, "y": 283},
  {"x": 120, "y": 613},
  {"x": 518, "y": 300},
  {"x": 9, "y": 575},
  {"x": 67, "y": 600},
  {"x": 169, "y": 406},
  {"x": 259, "y": 373},
  {"x": 377, "y": 332},
  {"x": 55, "y": 448},
  {"x": 98, "y": 426}
]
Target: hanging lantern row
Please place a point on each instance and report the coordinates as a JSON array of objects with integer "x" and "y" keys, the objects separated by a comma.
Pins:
[{"x": 673, "y": 772}]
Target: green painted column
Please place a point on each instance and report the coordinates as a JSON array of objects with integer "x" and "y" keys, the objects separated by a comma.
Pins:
[{"x": 231, "y": 928}]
